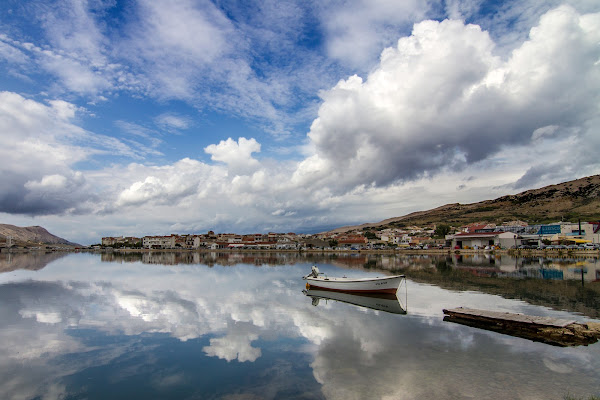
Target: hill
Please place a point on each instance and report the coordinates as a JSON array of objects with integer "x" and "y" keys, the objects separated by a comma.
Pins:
[
  {"x": 31, "y": 235},
  {"x": 567, "y": 201}
]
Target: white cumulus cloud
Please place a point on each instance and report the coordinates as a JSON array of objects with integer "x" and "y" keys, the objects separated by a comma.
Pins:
[
  {"x": 237, "y": 155},
  {"x": 442, "y": 99},
  {"x": 41, "y": 143}
]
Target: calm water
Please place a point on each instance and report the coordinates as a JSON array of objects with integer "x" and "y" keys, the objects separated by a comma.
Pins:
[{"x": 235, "y": 326}]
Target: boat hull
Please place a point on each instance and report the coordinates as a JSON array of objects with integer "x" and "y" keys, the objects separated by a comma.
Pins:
[{"x": 388, "y": 284}]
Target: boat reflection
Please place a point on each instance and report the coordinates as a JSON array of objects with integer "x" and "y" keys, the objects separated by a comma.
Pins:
[{"x": 382, "y": 302}]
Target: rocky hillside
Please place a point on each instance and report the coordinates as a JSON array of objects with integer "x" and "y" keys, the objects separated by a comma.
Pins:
[
  {"x": 568, "y": 201},
  {"x": 30, "y": 235}
]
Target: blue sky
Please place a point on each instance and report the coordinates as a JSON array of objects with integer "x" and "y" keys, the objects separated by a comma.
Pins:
[{"x": 156, "y": 117}]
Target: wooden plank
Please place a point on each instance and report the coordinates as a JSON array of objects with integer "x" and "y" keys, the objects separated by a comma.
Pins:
[
  {"x": 552, "y": 331},
  {"x": 510, "y": 317}
]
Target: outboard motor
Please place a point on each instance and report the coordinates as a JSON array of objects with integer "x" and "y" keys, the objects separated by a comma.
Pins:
[{"x": 314, "y": 271}]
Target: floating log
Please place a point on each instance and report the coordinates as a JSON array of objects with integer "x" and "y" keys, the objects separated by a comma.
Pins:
[{"x": 553, "y": 331}]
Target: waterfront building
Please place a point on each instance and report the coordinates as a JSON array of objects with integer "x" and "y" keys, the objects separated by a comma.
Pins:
[
  {"x": 159, "y": 242},
  {"x": 483, "y": 239},
  {"x": 111, "y": 241}
]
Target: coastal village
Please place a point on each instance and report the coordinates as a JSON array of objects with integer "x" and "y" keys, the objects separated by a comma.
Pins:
[{"x": 515, "y": 234}]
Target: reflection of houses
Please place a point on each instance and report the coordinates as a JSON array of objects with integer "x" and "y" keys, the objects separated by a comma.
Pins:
[
  {"x": 482, "y": 239},
  {"x": 584, "y": 271},
  {"x": 476, "y": 260},
  {"x": 225, "y": 258},
  {"x": 161, "y": 258},
  {"x": 559, "y": 268},
  {"x": 507, "y": 265}
]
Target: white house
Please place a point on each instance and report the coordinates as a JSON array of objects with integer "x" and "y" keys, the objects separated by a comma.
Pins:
[{"x": 480, "y": 240}]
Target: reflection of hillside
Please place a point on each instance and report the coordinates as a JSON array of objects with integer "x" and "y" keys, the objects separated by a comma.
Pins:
[{"x": 31, "y": 260}]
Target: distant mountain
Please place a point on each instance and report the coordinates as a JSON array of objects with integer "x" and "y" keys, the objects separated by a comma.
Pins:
[
  {"x": 568, "y": 201},
  {"x": 31, "y": 235}
]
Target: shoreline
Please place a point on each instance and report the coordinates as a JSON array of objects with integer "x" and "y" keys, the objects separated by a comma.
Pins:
[{"x": 511, "y": 252}]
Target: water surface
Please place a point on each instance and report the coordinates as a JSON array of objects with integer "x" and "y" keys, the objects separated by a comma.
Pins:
[{"x": 238, "y": 326}]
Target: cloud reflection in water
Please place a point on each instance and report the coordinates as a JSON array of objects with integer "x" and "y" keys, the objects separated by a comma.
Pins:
[{"x": 80, "y": 315}]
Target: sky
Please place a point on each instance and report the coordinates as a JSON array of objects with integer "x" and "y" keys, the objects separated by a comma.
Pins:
[{"x": 153, "y": 117}]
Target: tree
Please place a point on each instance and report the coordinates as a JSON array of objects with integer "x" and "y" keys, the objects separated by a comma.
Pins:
[
  {"x": 370, "y": 235},
  {"x": 442, "y": 230}
]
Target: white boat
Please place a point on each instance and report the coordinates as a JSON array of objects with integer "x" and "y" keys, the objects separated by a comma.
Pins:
[
  {"x": 384, "y": 284},
  {"x": 377, "y": 301}
]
